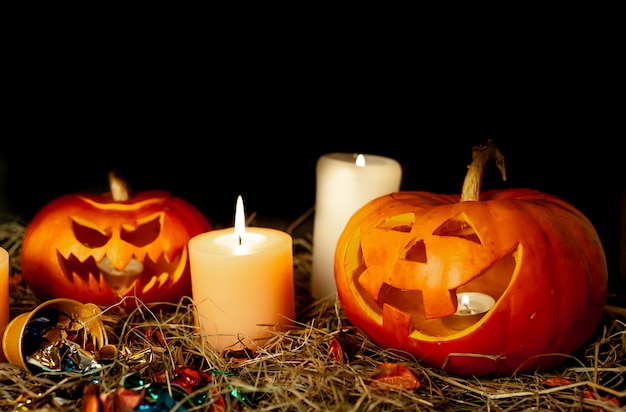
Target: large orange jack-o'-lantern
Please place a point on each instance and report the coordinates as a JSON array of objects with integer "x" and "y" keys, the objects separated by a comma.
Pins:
[
  {"x": 99, "y": 248},
  {"x": 404, "y": 258}
]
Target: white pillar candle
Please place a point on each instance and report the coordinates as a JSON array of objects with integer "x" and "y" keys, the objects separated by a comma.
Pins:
[
  {"x": 4, "y": 295},
  {"x": 344, "y": 183},
  {"x": 242, "y": 284}
]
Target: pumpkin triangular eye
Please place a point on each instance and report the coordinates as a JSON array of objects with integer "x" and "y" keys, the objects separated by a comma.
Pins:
[
  {"x": 144, "y": 234},
  {"x": 400, "y": 223},
  {"x": 415, "y": 252},
  {"x": 87, "y": 235},
  {"x": 458, "y": 226}
]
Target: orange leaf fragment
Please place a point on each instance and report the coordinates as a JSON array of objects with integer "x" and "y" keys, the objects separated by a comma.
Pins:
[
  {"x": 91, "y": 402},
  {"x": 557, "y": 381},
  {"x": 219, "y": 404},
  {"x": 129, "y": 399},
  {"x": 335, "y": 350},
  {"x": 608, "y": 399},
  {"x": 394, "y": 375}
]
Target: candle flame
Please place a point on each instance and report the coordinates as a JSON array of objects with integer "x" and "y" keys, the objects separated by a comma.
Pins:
[
  {"x": 465, "y": 300},
  {"x": 240, "y": 220},
  {"x": 360, "y": 160}
]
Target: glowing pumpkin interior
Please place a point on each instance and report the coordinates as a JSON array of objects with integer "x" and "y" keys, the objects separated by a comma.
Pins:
[
  {"x": 421, "y": 294},
  {"x": 121, "y": 253},
  {"x": 404, "y": 259},
  {"x": 101, "y": 247}
]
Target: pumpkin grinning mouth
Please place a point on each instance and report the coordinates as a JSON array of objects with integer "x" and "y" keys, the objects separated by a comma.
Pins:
[
  {"x": 423, "y": 263},
  {"x": 147, "y": 274},
  {"x": 409, "y": 303}
]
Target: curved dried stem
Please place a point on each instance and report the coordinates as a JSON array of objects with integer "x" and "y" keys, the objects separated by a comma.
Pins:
[{"x": 476, "y": 171}]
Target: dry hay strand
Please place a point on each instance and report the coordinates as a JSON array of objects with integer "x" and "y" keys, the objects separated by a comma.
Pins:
[{"x": 297, "y": 370}]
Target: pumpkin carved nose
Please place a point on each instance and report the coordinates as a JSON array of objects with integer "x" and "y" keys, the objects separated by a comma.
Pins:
[
  {"x": 119, "y": 281},
  {"x": 438, "y": 302}
]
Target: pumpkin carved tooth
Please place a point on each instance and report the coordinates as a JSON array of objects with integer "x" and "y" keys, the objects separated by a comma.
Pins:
[
  {"x": 397, "y": 321},
  {"x": 74, "y": 269}
]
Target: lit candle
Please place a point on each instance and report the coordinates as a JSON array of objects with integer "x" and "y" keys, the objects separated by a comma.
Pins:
[
  {"x": 344, "y": 183},
  {"x": 4, "y": 295},
  {"x": 472, "y": 306},
  {"x": 242, "y": 284}
]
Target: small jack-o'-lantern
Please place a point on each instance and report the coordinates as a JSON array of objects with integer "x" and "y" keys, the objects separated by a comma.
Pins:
[
  {"x": 404, "y": 259},
  {"x": 100, "y": 247}
]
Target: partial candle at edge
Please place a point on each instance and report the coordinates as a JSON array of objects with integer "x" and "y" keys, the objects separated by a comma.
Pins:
[
  {"x": 342, "y": 187},
  {"x": 4, "y": 296}
]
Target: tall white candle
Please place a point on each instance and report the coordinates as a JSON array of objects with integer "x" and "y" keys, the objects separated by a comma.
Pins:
[
  {"x": 242, "y": 284},
  {"x": 344, "y": 183},
  {"x": 4, "y": 295}
]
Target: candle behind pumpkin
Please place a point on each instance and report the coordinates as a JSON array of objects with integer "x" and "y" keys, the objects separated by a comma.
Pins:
[{"x": 342, "y": 188}]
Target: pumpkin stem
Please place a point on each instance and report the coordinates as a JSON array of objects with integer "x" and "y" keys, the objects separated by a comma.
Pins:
[
  {"x": 119, "y": 190},
  {"x": 476, "y": 171}
]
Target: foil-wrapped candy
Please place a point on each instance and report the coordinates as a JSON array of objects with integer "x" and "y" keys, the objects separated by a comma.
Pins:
[{"x": 56, "y": 342}]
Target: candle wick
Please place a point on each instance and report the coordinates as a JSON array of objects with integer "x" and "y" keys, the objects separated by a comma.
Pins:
[{"x": 239, "y": 240}]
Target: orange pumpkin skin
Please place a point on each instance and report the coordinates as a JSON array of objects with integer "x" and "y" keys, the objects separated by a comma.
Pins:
[
  {"x": 77, "y": 245},
  {"x": 402, "y": 257}
]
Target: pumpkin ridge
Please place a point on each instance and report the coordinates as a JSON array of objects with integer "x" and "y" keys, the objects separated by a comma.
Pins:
[{"x": 537, "y": 256}]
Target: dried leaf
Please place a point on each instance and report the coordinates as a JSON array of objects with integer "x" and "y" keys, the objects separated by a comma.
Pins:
[
  {"x": 240, "y": 355},
  {"x": 391, "y": 374},
  {"x": 335, "y": 351},
  {"x": 556, "y": 381},
  {"x": 218, "y": 404},
  {"x": 343, "y": 346},
  {"x": 129, "y": 399},
  {"x": 91, "y": 401},
  {"x": 594, "y": 395}
]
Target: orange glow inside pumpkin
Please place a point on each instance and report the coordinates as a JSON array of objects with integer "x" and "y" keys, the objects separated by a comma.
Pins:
[
  {"x": 408, "y": 300},
  {"x": 122, "y": 254}
]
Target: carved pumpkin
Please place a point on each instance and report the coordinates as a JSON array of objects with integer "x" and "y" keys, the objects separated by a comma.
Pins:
[
  {"x": 100, "y": 247},
  {"x": 403, "y": 258}
]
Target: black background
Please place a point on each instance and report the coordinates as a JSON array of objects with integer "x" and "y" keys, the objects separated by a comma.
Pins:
[{"x": 208, "y": 128}]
